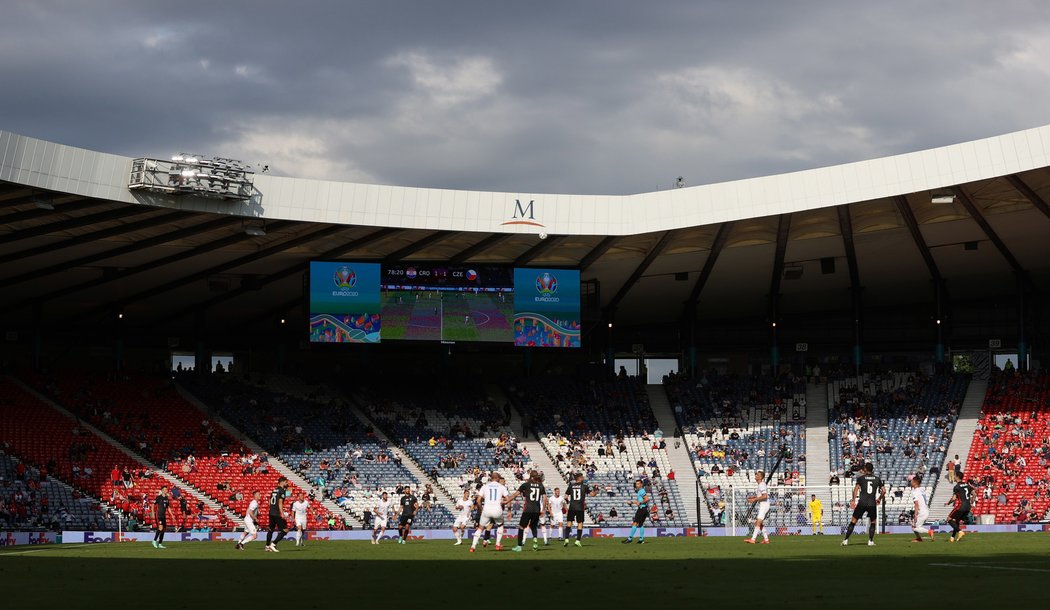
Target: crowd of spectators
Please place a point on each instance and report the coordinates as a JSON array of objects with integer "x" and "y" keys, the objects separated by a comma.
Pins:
[{"x": 1009, "y": 461}]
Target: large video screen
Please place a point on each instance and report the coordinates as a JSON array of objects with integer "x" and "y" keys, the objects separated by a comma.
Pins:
[
  {"x": 546, "y": 308},
  {"x": 368, "y": 303},
  {"x": 344, "y": 302},
  {"x": 447, "y": 302}
]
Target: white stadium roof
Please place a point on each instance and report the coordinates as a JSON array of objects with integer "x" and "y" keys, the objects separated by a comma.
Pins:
[{"x": 719, "y": 250}]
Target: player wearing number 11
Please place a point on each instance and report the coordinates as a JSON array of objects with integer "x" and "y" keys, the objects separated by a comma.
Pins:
[{"x": 865, "y": 502}]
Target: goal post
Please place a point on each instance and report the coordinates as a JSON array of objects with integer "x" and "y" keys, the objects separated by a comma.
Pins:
[{"x": 788, "y": 511}]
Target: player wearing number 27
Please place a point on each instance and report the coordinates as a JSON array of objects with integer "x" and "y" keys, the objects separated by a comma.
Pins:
[
  {"x": 536, "y": 503},
  {"x": 868, "y": 493}
]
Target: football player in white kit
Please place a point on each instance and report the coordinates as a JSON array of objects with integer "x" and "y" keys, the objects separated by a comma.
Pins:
[
  {"x": 761, "y": 498},
  {"x": 299, "y": 509},
  {"x": 464, "y": 506},
  {"x": 922, "y": 510},
  {"x": 251, "y": 521},
  {"x": 492, "y": 496},
  {"x": 555, "y": 516},
  {"x": 380, "y": 512}
]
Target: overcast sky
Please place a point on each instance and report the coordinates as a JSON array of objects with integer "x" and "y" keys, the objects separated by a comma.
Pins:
[{"x": 578, "y": 97}]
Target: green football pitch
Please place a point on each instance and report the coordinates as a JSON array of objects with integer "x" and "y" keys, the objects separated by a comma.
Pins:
[{"x": 1010, "y": 570}]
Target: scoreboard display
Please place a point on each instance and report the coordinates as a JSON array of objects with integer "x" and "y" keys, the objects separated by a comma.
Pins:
[{"x": 354, "y": 302}]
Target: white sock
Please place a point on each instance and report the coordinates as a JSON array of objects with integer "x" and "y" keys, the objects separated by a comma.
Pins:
[
  {"x": 477, "y": 536},
  {"x": 765, "y": 534},
  {"x": 546, "y": 533},
  {"x": 754, "y": 534},
  {"x": 499, "y": 536},
  {"x": 459, "y": 536}
]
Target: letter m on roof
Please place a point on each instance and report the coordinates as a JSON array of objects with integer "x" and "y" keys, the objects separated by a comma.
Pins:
[{"x": 524, "y": 211}]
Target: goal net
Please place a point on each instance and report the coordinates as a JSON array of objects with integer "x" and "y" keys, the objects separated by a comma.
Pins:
[{"x": 789, "y": 511}]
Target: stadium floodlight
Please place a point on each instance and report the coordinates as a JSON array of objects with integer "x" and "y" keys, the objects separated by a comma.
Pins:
[
  {"x": 186, "y": 174},
  {"x": 942, "y": 197}
]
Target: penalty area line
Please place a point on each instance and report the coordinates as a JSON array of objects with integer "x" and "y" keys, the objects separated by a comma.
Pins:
[{"x": 989, "y": 567}]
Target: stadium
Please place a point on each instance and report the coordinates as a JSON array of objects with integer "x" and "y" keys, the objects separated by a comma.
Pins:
[{"x": 162, "y": 331}]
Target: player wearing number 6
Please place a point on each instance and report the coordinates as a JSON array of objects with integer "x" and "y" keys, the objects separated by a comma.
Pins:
[
  {"x": 865, "y": 502},
  {"x": 760, "y": 499}
]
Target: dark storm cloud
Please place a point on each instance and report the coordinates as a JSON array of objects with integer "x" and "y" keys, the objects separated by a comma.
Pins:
[{"x": 541, "y": 96}]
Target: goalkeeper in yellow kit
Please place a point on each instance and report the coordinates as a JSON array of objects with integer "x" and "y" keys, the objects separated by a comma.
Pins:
[{"x": 816, "y": 513}]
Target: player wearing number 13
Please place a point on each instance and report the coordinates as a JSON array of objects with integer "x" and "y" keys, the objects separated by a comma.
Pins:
[
  {"x": 577, "y": 493},
  {"x": 535, "y": 504},
  {"x": 868, "y": 493}
]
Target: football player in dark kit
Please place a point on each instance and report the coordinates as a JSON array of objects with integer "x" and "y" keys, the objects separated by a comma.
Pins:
[
  {"x": 277, "y": 521},
  {"x": 409, "y": 504},
  {"x": 577, "y": 493},
  {"x": 960, "y": 515},
  {"x": 160, "y": 517},
  {"x": 535, "y": 503},
  {"x": 868, "y": 493}
]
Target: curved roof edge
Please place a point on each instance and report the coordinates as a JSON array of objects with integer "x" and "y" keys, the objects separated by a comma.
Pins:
[{"x": 46, "y": 165}]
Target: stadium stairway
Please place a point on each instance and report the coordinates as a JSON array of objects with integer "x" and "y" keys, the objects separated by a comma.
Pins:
[
  {"x": 277, "y": 464},
  {"x": 677, "y": 456},
  {"x": 537, "y": 451},
  {"x": 442, "y": 495},
  {"x": 192, "y": 492},
  {"x": 962, "y": 440},
  {"x": 818, "y": 455},
  {"x": 495, "y": 391}
]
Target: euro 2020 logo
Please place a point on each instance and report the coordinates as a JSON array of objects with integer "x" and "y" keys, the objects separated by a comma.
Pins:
[
  {"x": 546, "y": 284},
  {"x": 344, "y": 278}
]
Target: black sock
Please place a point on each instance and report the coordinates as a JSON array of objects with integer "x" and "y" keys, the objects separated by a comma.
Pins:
[
  {"x": 535, "y": 533},
  {"x": 871, "y": 532},
  {"x": 280, "y": 536},
  {"x": 955, "y": 527},
  {"x": 156, "y": 535},
  {"x": 849, "y": 530},
  {"x": 918, "y": 536},
  {"x": 161, "y": 541},
  {"x": 567, "y": 530},
  {"x": 579, "y": 533},
  {"x": 521, "y": 535},
  {"x": 269, "y": 537},
  {"x": 404, "y": 536},
  {"x": 488, "y": 534}
]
